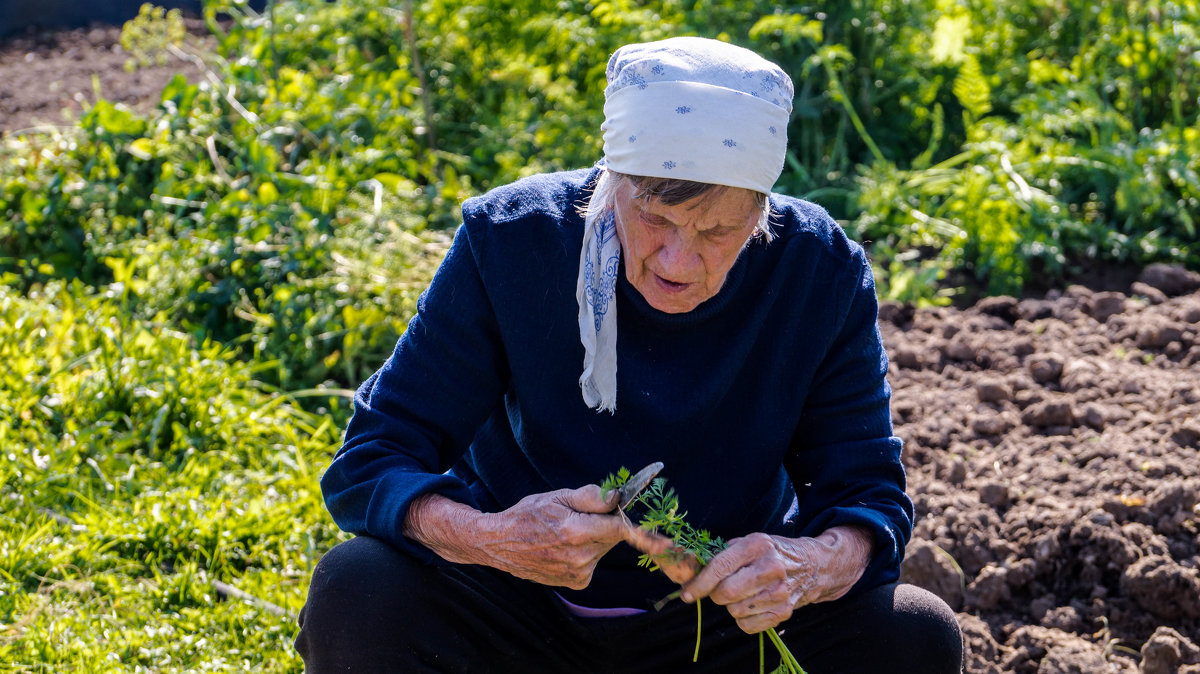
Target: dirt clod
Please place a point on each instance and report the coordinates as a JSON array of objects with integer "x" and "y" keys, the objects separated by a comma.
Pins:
[
  {"x": 993, "y": 391},
  {"x": 1054, "y": 458},
  {"x": 1046, "y": 368},
  {"x": 1001, "y": 307},
  {"x": 1107, "y": 304},
  {"x": 1162, "y": 587},
  {"x": 1171, "y": 279},
  {"x": 927, "y": 566},
  {"x": 1153, "y": 295},
  {"x": 1049, "y": 414},
  {"x": 1169, "y": 652}
]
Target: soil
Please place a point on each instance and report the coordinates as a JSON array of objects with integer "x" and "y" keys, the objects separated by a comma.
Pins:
[
  {"x": 51, "y": 78},
  {"x": 1053, "y": 453},
  {"x": 1052, "y": 443}
]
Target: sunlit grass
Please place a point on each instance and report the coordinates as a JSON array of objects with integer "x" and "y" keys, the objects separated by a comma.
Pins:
[
  {"x": 277, "y": 221},
  {"x": 136, "y": 477}
]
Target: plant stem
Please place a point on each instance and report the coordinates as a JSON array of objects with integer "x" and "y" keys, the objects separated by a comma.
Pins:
[
  {"x": 658, "y": 605},
  {"x": 762, "y": 657},
  {"x": 663, "y": 506},
  {"x": 410, "y": 35},
  {"x": 789, "y": 661},
  {"x": 848, "y": 106}
]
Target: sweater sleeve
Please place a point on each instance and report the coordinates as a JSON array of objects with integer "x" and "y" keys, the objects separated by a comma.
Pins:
[
  {"x": 845, "y": 462},
  {"x": 416, "y": 416}
]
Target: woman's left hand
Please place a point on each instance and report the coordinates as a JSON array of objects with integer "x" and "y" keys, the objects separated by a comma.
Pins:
[{"x": 761, "y": 579}]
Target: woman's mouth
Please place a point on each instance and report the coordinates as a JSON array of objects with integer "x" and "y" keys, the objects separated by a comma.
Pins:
[{"x": 671, "y": 286}]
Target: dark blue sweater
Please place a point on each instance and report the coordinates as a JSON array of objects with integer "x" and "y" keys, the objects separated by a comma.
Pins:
[{"x": 768, "y": 403}]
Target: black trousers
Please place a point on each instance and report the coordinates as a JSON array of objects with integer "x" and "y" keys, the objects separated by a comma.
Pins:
[{"x": 373, "y": 609}]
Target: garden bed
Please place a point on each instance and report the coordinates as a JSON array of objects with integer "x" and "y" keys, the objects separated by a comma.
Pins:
[
  {"x": 1053, "y": 444},
  {"x": 1053, "y": 450}
]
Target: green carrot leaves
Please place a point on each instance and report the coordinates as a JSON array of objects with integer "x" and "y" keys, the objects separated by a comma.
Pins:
[{"x": 660, "y": 512}]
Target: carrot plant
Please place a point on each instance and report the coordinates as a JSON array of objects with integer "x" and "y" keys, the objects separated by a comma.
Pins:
[{"x": 659, "y": 512}]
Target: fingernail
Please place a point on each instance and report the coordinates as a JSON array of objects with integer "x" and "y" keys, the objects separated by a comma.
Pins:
[{"x": 687, "y": 597}]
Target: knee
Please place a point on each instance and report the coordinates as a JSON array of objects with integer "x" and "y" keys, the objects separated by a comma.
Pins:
[
  {"x": 356, "y": 595},
  {"x": 926, "y": 630},
  {"x": 361, "y": 577},
  {"x": 356, "y": 566},
  {"x": 892, "y": 628},
  {"x": 354, "y": 582}
]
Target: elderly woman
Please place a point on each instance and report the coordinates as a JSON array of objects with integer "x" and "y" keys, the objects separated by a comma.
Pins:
[{"x": 662, "y": 306}]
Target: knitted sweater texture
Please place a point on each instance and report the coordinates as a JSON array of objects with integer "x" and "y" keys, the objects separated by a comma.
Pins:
[{"x": 768, "y": 403}]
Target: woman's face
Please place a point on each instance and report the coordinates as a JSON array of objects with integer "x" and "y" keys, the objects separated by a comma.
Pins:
[{"x": 678, "y": 256}]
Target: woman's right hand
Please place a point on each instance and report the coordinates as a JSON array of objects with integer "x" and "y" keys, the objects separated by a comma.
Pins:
[{"x": 554, "y": 538}]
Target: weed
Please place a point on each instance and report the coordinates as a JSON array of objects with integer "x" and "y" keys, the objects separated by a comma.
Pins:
[{"x": 661, "y": 514}]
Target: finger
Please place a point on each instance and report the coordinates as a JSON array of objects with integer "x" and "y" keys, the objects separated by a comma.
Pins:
[
  {"x": 761, "y": 622},
  {"x": 772, "y": 599},
  {"x": 763, "y": 575},
  {"x": 679, "y": 565},
  {"x": 726, "y": 563},
  {"x": 592, "y": 519},
  {"x": 612, "y": 499},
  {"x": 589, "y": 499},
  {"x": 741, "y": 585}
]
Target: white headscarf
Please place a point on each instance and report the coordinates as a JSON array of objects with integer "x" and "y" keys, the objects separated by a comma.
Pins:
[{"x": 688, "y": 108}]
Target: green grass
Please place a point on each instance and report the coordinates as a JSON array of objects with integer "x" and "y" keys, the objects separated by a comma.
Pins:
[
  {"x": 187, "y": 295},
  {"x": 140, "y": 468}
]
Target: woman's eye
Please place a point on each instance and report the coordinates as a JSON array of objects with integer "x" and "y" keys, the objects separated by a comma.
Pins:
[{"x": 653, "y": 220}]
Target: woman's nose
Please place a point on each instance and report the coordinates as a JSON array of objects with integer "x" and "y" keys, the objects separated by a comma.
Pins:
[{"x": 678, "y": 253}]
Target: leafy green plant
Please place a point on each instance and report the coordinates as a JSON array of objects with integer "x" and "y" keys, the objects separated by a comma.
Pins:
[
  {"x": 148, "y": 36},
  {"x": 188, "y": 293},
  {"x": 144, "y": 471},
  {"x": 254, "y": 208},
  {"x": 660, "y": 513},
  {"x": 296, "y": 125}
]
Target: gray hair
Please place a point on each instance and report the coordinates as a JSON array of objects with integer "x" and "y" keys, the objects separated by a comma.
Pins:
[{"x": 671, "y": 191}]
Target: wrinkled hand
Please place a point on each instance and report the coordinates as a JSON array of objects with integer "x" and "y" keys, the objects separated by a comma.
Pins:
[
  {"x": 761, "y": 579},
  {"x": 555, "y": 538}
]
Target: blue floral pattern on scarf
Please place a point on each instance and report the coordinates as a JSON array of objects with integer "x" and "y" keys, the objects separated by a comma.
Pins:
[{"x": 600, "y": 294}]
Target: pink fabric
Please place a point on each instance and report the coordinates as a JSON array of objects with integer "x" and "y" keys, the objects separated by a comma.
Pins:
[{"x": 586, "y": 612}]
